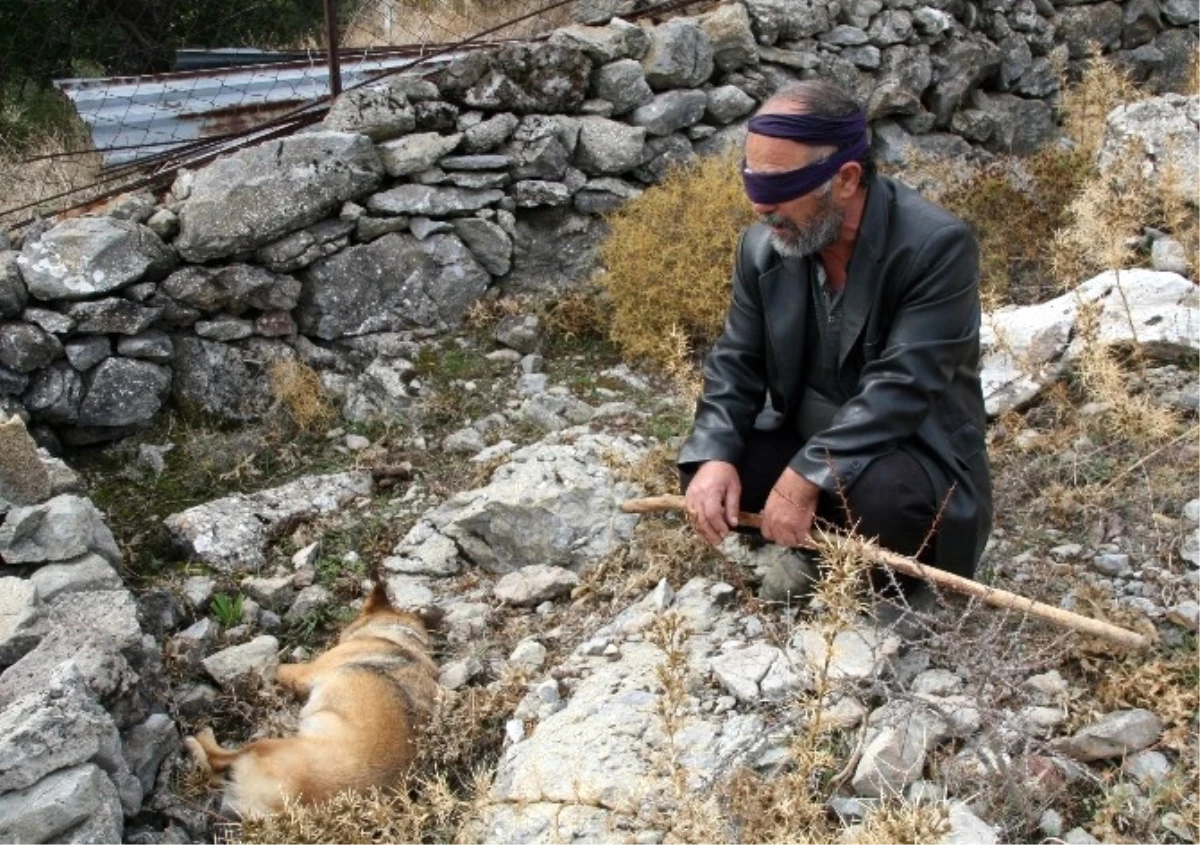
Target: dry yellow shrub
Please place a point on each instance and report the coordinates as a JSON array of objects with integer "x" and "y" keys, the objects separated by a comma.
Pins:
[
  {"x": 297, "y": 390},
  {"x": 669, "y": 260}
]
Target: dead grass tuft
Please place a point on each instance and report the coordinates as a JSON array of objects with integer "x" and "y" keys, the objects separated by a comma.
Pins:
[
  {"x": 578, "y": 315},
  {"x": 297, "y": 392},
  {"x": 895, "y": 821},
  {"x": 669, "y": 258}
]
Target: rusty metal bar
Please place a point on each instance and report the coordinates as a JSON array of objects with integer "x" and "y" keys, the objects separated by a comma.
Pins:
[{"x": 331, "y": 48}]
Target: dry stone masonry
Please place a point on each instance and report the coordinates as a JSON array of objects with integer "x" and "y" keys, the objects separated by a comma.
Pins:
[{"x": 420, "y": 196}]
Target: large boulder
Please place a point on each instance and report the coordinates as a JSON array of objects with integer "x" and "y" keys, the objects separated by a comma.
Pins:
[
  {"x": 395, "y": 282},
  {"x": 553, "y": 249},
  {"x": 62, "y": 528},
  {"x": 379, "y": 111},
  {"x": 680, "y": 56},
  {"x": 553, "y": 503},
  {"x": 232, "y": 534},
  {"x": 609, "y": 148},
  {"x": 732, "y": 39},
  {"x": 1163, "y": 133},
  {"x": 88, "y": 256},
  {"x": 790, "y": 20},
  {"x": 255, "y": 196}
]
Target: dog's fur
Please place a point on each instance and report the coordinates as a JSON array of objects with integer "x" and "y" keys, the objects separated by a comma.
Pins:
[{"x": 366, "y": 698}]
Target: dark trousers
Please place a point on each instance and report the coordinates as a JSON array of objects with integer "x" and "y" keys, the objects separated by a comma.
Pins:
[{"x": 893, "y": 500}]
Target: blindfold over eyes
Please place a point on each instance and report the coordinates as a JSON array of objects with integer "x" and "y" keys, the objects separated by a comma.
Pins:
[
  {"x": 777, "y": 188},
  {"x": 847, "y": 133}
]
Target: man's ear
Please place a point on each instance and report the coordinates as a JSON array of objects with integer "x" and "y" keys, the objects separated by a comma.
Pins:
[{"x": 847, "y": 179}]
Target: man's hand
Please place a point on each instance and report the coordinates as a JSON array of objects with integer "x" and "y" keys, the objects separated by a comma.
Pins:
[
  {"x": 789, "y": 512},
  {"x": 712, "y": 500}
]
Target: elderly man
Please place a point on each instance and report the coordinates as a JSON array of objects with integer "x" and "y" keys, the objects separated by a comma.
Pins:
[{"x": 845, "y": 385}]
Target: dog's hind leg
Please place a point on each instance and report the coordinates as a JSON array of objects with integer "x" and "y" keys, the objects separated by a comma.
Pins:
[
  {"x": 296, "y": 677},
  {"x": 209, "y": 754}
]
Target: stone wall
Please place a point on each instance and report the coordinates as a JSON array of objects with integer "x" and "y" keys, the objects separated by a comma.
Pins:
[{"x": 420, "y": 196}]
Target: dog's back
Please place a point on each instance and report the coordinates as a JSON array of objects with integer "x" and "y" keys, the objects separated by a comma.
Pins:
[{"x": 366, "y": 699}]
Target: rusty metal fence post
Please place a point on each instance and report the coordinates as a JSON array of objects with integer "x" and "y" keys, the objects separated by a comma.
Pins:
[{"x": 331, "y": 47}]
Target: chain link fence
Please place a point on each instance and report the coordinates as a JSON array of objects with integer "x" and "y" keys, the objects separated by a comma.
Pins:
[{"x": 98, "y": 96}]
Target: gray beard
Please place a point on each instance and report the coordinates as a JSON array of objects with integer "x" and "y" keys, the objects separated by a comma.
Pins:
[{"x": 796, "y": 242}]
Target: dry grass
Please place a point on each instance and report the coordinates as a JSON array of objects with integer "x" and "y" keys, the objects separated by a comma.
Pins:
[
  {"x": 24, "y": 182},
  {"x": 669, "y": 258},
  {"x": 297, "y": 392}
]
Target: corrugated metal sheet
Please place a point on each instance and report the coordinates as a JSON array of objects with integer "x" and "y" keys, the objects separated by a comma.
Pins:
[{"x": 134, "y": 117}]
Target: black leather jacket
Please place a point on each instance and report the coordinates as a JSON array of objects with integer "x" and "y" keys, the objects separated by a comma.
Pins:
[{"x": 909, "y": 360}]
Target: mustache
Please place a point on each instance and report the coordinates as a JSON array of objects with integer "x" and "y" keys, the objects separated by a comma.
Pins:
[{"x": 778, "y": 221}]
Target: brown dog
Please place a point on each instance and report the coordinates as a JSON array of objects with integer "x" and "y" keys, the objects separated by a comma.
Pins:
[{"x": 367, "y": 696}]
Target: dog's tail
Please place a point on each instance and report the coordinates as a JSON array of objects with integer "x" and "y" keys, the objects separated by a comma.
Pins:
[{"x": 208, "y": 754}]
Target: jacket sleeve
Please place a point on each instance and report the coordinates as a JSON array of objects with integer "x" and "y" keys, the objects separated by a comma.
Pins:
[
  {"x": 934, "y": 331},
  {"x": 734, "y": 374}
]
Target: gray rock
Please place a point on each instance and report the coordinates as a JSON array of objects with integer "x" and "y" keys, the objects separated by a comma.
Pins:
[
  {"x": 466, "y": 441},
  {"x": 680, "y": 55},
  {"x": 1186, "y": 615},
  {"x": 1117, "y": 734},
  {"x": 310, "y": 600},
  {"x": 153, "y": 346},
  {"x": 1169, "y": 256},
  {"x": 55, "y": 728},
  {"x": 431, "y": 201},
  {"x": 244, "y": 668},
  {"x": 1079, "y": 836},
  {"x": 189, "y": 647},
  {"x": 164, "y": 223},
  {"x": 727, "y": 103},
  {"x": 369, "y": 228},
  {"x": 788, "y": 20},
  {"x": 145, "y": 746},
  {"x": 670, "y": 111},
  {"x": 25, "y": 348},
  {"x": 758, "y": 672},
  {"x": 523, "y": 78},
  {"x": 488, "y": 242},
  {"x": 531, "y": 193},
  {"x": 458, "y": 673},
  {"x": 378, "y": 111},
  {"x": 534, "y": 584},
  {"x": 87, "y": 256},
  {"x": 424, "y": 551},
  {"x": 859, "y": 654},
  {"x": 22, "y": 624},
  {"x": 1148, "y": 768},
  {"x": 1095, "y": 27},
  {"x": 623, "y": 84},
  {"x": 489, "y": 134},
  {"x": 300, "y": 249},
  {"x": 554, "y": 250},
  {"x": 409, "y": 592},
  {"x": 227, "y": 381},
  {"x": 24, "y": 479},
  {"x": 732, "y": 39},
  {"x": 892, "y": 26},
  {"x": 961, "y": 67},
  {"x": 603, "y": 44},
  {"x": 663, "y": 154},
  {"x": 63, "y": 528},
  {"x": 275, "y": 593},
  {"x": 113, "y": 316},
  {"x": 12, "y": 385},
  {"x": 232, "y": 289},
  {"x": 1051, "y": 823},
  {"x": 49, "y": 321},
  {"x": 55, "y": 394},
  {"x": 529, "y": 654},
  {"x": 415, "y": 153},
  {"x": 518, "y": 331},
  {"x": 1180, "y": 12},
  {"x": 255, "y": 196},
  {"x": 379, "y": 393},
  {"x": 895, "y": 751},
  {"x": 123, "y": 392},
  {"x": 232, "y": 533},
  {"x": 395, "y": 282},
  {"x": 1158, "y": 129},
  {"x": 85, "y": 573},
  {"x": 86, "y": 352},
  {"x": 607, "y": 147},
  {"x": 600, "y": 196},
  {"x": 224, "y": 329},
  {"x": 58, "y": 803},
  {"x": 13, "y": 294}
]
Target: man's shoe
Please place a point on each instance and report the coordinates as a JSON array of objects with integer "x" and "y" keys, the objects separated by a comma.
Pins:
[{"x": 791, "y": 579}]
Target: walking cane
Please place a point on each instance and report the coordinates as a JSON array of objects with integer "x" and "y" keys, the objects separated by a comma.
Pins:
[{"x": 950, "y": 581}]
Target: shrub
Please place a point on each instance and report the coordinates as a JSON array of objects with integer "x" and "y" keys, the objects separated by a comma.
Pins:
[{"x": 669, "y": 258}]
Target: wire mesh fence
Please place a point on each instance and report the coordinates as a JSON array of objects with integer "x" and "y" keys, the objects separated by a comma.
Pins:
[{"x": 102, "y": 95}]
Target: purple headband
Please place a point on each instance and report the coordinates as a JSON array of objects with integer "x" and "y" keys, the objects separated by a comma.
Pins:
[{"x": 848, "y": 134}]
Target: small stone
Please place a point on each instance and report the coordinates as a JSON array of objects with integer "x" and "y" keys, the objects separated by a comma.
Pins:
[
  {"x": 198, "y": 590},
  {"x": 663, "y": 595},
  {"x": 1191, "y": 511},
  {"x": 1051, "y": 823},
  {"x": 594, "y": 647},
  {"x": 1148, "y": 768},
  {"x": 529, "y": 654},
  {"x": 458, "y": 673},
  {"x": 356, "y": 442},
  {"x": 1079, "y": 836},
  {"x": 1185, "y": 615},
  {"x": 514, "y": 730},
  {"x": 1067, "y": 551},
  {"x": 1119, "y": 733},
  {"x": 306, "y": 556},
  {"x": 1112, "y": 565}
]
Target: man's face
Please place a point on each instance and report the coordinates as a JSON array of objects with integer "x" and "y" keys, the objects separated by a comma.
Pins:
[{"x": 801, "y": 226}]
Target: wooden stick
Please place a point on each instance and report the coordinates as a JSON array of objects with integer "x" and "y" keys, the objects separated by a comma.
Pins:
[{"x": 948, "y": 580}]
